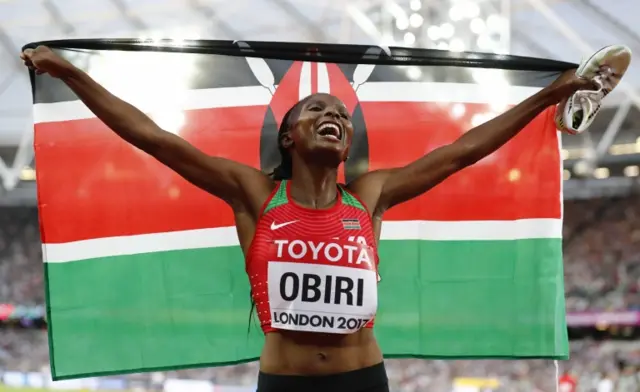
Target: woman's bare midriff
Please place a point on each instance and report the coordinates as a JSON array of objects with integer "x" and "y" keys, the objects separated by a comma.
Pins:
[{"x": 306, "y": 353}]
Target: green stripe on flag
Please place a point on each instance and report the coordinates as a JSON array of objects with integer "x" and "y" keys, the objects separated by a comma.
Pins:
[
  {"x": 180, "y": 307},
  {"x": 470, "y": 295}
]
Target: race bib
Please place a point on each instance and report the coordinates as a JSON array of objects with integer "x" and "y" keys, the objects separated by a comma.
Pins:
[{"x": 317, "y": 286}]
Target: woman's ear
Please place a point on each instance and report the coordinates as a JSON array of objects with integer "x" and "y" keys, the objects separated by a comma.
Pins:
[{"x": 286, "y": 141}]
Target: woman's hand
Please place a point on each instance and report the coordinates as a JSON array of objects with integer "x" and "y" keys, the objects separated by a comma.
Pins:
[
  {"x": 567, "y": 84},
  {"x": 44, "y": 61}
]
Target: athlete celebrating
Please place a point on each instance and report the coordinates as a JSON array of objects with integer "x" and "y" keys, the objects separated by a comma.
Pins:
[{"x": 309, "y": 242}]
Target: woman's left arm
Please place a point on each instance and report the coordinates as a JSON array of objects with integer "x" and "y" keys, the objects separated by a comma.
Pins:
[{"x": 382, "y": 189}]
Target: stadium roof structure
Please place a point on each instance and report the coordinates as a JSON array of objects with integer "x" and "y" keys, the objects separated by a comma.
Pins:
[{"x": 564, "y": 30}]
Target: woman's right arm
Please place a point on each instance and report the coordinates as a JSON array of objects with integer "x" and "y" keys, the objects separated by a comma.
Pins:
[{"x": 239, "y": 185}]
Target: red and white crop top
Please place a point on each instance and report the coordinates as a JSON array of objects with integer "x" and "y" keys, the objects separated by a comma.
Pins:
[{"x": 314, "y": 270}]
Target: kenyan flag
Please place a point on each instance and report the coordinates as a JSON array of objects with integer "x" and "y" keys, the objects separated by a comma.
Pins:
[{"x": 144, "y": 270}]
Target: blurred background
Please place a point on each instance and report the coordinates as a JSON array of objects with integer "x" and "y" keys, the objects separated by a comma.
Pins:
[{"x": 602, "y": 208}]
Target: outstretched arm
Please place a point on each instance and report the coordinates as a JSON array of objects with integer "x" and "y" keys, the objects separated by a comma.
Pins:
[
  {"x": 383, "y": 189},
  {"x": 237, "y": 184}
]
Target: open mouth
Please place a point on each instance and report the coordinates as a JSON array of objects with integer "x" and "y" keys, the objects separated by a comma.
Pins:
[{"x": 330, "y": 130}]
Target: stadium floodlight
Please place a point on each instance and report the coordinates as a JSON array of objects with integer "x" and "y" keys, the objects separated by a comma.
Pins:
[
  {"x": 471, "y": 10},
  {"x": 416, "y": 20},
  {"x": 632, "y": 171},
  {"x": 447, "y": 30},
  {"x": 456, "y": 12},
  {"x": 477, "y": 26},
  {"x": 433, "y": 32},
  {"x": 409, "y": 38},
  {"x": 601, "y": 173},
  {"x": 402, "y": 23}
]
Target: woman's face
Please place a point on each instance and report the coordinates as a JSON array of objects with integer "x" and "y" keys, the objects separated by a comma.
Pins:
[{"x": 322, "y": 129}]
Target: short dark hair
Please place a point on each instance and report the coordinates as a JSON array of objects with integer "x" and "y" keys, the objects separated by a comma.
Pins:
[{"x": 284, "y": 171}]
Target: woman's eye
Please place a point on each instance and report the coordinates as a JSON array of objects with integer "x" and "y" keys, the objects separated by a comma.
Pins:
[{"x": 315, "y": 108}]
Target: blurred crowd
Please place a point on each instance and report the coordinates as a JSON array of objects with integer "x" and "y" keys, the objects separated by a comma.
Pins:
[
  {"x": 21, "y": 272},
  {"x": 602, "y": 254},
  {"x": 602, "y": 272}
]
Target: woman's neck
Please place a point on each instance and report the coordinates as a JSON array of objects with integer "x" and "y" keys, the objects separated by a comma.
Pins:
[{"x": 314, "y": 186}]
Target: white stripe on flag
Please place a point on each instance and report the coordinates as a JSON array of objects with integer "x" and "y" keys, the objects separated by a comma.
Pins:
[
  {"x": 260, "y": 96},
  {"x": 324, "y": 84},
  {"x": 137, "y": 244},
  {"x": 304, "y": 85},
  {"x": 227, "y": 236},
  {"x": 471, "y": 230}
]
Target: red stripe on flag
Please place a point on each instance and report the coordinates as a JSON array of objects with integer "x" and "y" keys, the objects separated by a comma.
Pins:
[
  {"x": 91, "y": 184},
  {"x": 520, "y": 180},
  {"x": 314, "y": 78}
]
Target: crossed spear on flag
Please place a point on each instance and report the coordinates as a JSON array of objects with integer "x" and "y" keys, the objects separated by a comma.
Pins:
[{"x": 265, "y": 76}]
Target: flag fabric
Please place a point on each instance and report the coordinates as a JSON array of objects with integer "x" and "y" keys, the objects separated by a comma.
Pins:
[{"x": 144, "y": 271}]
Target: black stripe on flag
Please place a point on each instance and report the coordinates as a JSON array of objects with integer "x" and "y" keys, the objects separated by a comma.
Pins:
[
  {"x": 210, "y": 71},
  {"x": 221, "y": 64}
]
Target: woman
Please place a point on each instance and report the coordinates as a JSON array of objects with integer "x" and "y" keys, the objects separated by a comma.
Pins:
[{"x": 309, "y": 243}]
